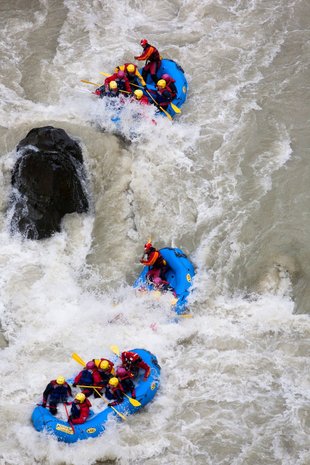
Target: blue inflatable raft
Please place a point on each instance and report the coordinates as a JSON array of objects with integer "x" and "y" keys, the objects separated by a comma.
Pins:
[
  {"x": 43, "y": 420},
  {"x": 176, "y": 72},
  {"x": 179, "y": 276}
]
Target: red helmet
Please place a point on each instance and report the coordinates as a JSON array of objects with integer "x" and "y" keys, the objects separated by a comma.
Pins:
[
  {"x": 120, "y": 74},
  {"x": 143, "y": 42},
  {"x": 148, "y": 246},
  {"x": 166, "y": 77},
  {"x": 90, "y": 365},
  {"x": 131, "y": 356}
]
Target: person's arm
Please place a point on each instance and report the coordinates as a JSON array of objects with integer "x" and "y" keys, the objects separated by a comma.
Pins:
[
  {"x": 46, "y": 393},
  {"x": 138, "y": 75},
  {"x": 146, "y": 54}
]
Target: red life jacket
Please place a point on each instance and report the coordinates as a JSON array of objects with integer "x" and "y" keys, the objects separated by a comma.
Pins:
[
  {"x": 80, "y": 412},
  {"x": 155, "y": 56}
]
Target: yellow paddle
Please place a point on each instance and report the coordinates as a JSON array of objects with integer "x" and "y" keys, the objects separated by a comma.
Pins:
[
  {"x": 135, "y": 85},
  {"x": 78, "y": 359},
  {"x": 133, "y": 401},
  {"x": 89, "y": 82},
  {"x": 115, "y": 350}
]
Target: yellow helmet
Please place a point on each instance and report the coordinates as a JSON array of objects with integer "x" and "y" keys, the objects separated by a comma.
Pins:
[
  {"x": 80, "y": 397},
  {"x": 114, "y": 382},
  {"x": 131, "y": 68},
  {"x": 97, "y": 362},
  {"x": 60, "y": 380},
  {"x": 113, "y": 85},
  {"x": 138, "y": 94},
  {"x": 161, "y": 83},
  {"x": 104, "y": 365}
]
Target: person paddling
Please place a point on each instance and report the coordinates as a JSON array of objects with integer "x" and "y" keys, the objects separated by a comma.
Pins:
[
  {"x": 132, "y": 74},
  {"x": 57, "y": 391},
  {"x": 79, "y": 409},
  {"x": 89, "y": 376},
  {"x": 114, "y": 392}
]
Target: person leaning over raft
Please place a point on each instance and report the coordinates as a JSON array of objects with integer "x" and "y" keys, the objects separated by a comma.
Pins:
[
  {"x": 114, "y": 391},
  {"x": 153, "y": 60},
  {"x": 153, "y": 258},
  {"x": 140, "y": 97},
  {"x": 132, "y": 362},
  {"x": 132, "y": 74},
  {"x": 113, "y": 90},
  {"x": 122, "y": 81},
  {"x": 105, "y": 370},
  {"x": 79, "y": 409},
  {"x": 89, "y": 376},
  {"x": 170, "y": 83},
  {"x": 56, "y": 391},
  {"x": 163, "y": 94},
  {"x": 125, "y": 378}
]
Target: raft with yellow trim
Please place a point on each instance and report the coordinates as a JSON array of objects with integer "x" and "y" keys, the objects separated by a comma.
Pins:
[
  {"x": 179, "y": 275},
  {"x": 44, "y": 421}
]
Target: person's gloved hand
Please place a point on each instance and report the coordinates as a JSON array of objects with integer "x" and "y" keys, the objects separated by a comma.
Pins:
[{"x": 74, "y": 384}]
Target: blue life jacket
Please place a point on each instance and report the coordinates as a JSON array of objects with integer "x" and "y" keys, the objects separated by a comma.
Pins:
[
  {"x": 86, "y": 378},
  {"x": 59, "y": 394},
  {"x": 75, "y": 411}
]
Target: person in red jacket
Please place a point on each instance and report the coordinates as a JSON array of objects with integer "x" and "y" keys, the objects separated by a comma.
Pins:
[
  {"x": 79, "y": 409},
  {"x": 132, "y": 74},
  {"x": 140, "y": 97},
  {"x": 89, "y": 376},
  {"x": 113, "y": 90},
  {"x": 132, "y": 362},
  {"x": 125, "y": 378},
  {"x": 56, "y": 391},
  {"x": 153, "y": 60},
  {"x": 163, "y": 94},
  {"x": 114, "y": 391},
  {"x": 158, "y": 267},
  {"x": 105, "y": 369},
  {"x": 170, "y": 82},
  {"x": 122, "y": 81}
]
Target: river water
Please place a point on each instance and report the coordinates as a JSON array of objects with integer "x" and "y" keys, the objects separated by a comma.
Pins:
[{"x": 227, "y": 182}]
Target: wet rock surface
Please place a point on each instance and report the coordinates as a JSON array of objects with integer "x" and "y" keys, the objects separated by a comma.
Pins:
[{"x": 48, "y": 182}]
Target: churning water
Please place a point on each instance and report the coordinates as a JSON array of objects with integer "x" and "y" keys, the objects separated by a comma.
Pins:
[{"x": 228, "y": 182}]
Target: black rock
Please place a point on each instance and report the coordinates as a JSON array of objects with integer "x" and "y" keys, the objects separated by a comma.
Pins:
[{"x": 48, "y": 181}]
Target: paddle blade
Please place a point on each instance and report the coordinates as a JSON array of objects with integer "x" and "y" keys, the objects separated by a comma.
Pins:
[
  {"x": 133, "y": 401},
  {"x": 89, "y": 82},
  {"x": 105, "y": 74},
  {"x": 175, "y": 108},
  {"x": 119, "y": 413},
  {"x": 78, "y": 359},
  {"x": 115, "y": 350}
]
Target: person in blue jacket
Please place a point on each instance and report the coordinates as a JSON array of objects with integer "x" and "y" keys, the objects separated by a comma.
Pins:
[
  {"x": 56, "y": 391},
  {"x": 114, "y": 392}
]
